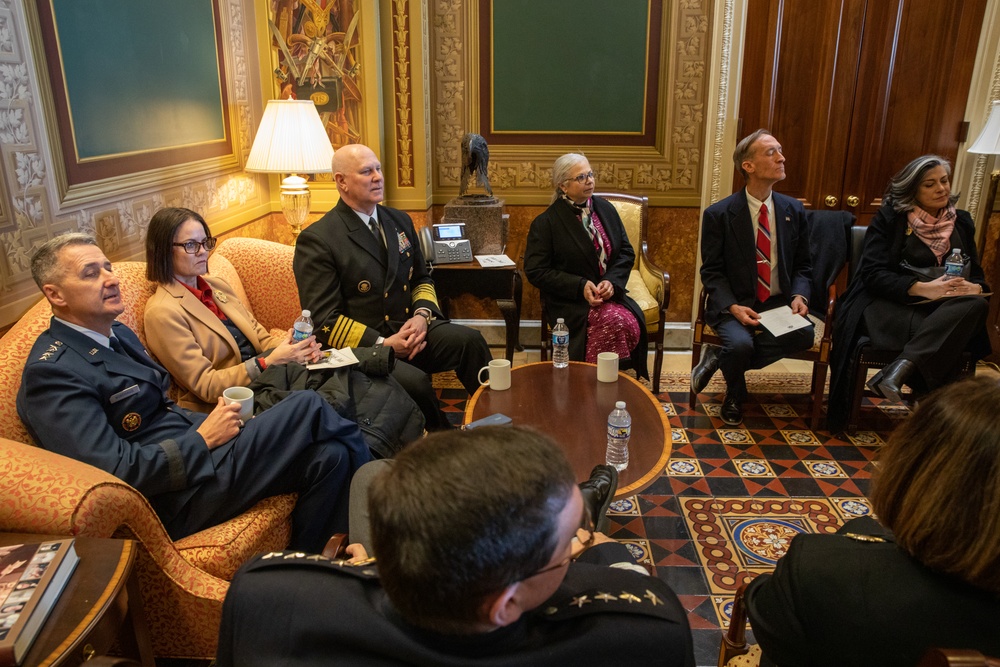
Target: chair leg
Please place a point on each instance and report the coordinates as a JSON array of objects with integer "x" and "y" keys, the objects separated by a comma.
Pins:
[
  {"x": 818, "y": 385},
  {"x": 695, "y": 357},
  {"x": 657, "y": 366},
  {"x": 857, "y": 395}
]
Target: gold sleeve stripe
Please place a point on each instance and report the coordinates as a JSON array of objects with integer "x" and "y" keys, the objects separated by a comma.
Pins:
[
  {"x": 346, "y": 333},
  {"x": 425, "y": 292}
]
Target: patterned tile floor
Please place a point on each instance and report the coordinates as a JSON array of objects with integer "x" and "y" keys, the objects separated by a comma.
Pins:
[{"x": 732, "y": 498}]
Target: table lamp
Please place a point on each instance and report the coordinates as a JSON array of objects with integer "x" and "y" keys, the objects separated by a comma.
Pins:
[
  {"x": 988, "y": 143},
  {"x": 291, "y": 140}
]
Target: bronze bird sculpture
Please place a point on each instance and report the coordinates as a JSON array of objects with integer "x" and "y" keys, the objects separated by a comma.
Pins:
[{"x": 475, "y": 160}]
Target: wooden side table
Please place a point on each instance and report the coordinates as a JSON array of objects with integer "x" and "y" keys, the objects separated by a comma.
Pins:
[
  {"x": 100, "y": 605},
  {"x": 502, "y": 284}
]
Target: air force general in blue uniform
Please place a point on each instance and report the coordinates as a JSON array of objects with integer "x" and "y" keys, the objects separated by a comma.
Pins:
[{"x": 83, "y": 399}]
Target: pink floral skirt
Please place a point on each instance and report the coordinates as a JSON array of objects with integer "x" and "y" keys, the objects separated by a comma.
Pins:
[{"x": 611, "y": 327}]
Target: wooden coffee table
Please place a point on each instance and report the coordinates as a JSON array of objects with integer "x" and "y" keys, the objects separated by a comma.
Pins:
[{"x": 572, "y": 407}]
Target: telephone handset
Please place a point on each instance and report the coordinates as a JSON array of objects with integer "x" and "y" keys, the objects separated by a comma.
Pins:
[{"x": 446, "y": 244}]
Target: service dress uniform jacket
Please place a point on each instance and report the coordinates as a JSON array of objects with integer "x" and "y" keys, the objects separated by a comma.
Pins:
[
  {"x": 196, "y": 347},
  {"x": 305, "y": 611},
  {"x": 856, "y": 599},
  {"x": 358, "y": 290},
  {"x": 108, "y": 409},
  {"x": 559, "y": 259}
]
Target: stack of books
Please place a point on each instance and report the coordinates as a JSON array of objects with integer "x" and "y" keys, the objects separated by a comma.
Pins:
[{"x": 31, "y": 578}]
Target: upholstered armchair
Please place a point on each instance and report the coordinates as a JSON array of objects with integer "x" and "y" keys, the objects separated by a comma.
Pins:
[
  {"x": 648, "y": 285},
  {"x": 183, "y": 583}
]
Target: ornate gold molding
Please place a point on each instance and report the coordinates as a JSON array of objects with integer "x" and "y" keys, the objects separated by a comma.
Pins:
[
  {"x": 669, "y": 172},
  {"x": 403, "y": 88}
]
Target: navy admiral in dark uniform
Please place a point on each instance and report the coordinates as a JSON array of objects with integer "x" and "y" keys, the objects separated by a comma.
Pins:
[
  {"x": 91, "y": 392},
  {"x": 754, "y": 257},
  {"x": 486, "y": 555},
  {"x": 360, "y": 271}
]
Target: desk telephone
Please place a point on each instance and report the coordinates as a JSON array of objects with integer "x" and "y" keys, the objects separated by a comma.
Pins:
[{"x": 446, "y": 244}]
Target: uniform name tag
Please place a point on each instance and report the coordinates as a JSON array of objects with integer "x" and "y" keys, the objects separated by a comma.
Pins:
[{"x": 125, "y": 393}]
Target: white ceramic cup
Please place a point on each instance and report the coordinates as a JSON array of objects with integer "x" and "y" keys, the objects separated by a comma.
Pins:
[
  {"x": 607, "y": 367},
  {"x": 243, "y": 396},
  {"x": 499, "y": 374}
]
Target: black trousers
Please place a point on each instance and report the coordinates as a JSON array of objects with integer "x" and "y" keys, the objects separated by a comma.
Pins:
[
  {"x": 745, "y": 348},
  {"x": 931, "y": 335},
  {"x": 450, "y": 347}
]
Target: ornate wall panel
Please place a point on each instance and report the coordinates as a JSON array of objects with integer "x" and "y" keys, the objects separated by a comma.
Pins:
[
  {"x": 32, "y": 210},
  {"x": 669, "y": 172}
]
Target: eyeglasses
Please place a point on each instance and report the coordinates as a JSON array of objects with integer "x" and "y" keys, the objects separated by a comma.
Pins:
[
  {"x": 587, "y": 526},
  {"x": 191, "y": 247},
  {"x": 582, "y": 178}
]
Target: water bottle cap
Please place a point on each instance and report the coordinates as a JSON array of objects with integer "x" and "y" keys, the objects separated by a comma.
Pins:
[
  {"x": 560, "y": 320},
  {"x": 956, "y": 250},
  {"x": 620, "y": 405},
  {"x": 306, "y": 313}
]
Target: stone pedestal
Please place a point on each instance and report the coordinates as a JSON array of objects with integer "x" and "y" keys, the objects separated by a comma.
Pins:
[{"x": 485, "y": 224}]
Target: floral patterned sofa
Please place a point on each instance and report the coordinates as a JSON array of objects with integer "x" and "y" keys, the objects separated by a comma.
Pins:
[{"x": 183, "y": 583}]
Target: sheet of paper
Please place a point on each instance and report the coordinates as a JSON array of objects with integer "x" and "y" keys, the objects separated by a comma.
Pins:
[
  {"x": 782, "y": 320},
  {"x": 494, "y": 261},
  {"x": 334, "y": 359}
]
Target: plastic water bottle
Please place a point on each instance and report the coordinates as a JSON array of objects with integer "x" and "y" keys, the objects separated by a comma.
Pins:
[
  {"x": 303, "y": 327},
  {"x": 560, "y": 344},
  {"x": 619, "y": 431},
  {"x": 954, "y": 264}
]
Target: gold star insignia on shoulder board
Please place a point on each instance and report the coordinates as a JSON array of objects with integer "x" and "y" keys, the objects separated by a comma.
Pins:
[
  {"x": 580, "y": 601},
  {"x": 317, "y": 557},
  {"x": 58, "y": 343},
  {"x": 325, "y": 329},
  {"x": 605, "y": 597},
  {"x": 651, "y": 596},
  {"x": 273, "y": 554},
  {"x": 628, "y": 597},
  {"x": 551, "y": 610},
  {"x": 297, "y": 554}
]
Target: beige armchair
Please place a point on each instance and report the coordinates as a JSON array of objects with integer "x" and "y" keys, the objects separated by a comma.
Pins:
[{"x": 648, "y": 285}]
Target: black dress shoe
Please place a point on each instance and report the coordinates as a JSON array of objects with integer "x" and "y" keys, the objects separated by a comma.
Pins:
[
  {"x": 597, "y": 493},
  {"x": 732, "y": 409},
  {"x": 707, "y": 365},
  {"x": 889, "y": 382}
]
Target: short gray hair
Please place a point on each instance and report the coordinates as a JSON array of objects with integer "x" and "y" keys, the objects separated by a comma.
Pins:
[
  {"x": 45, "y": 260},
  {"x": 561, "y": 168},
  {"x": 744, "y": 149},
  {"x": 903, "y": 187}
]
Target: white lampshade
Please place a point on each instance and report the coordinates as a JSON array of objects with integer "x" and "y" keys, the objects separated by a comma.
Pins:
[
  {"x": 988, "y": 141},
  {"x": 291, "y": 139}
]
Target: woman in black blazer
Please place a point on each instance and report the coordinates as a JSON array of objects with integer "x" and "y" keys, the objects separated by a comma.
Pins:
[
  {"x": 874, "y": 595},
  {"x": 579, "y": 257},
  {"x": 899, "y": 296}
]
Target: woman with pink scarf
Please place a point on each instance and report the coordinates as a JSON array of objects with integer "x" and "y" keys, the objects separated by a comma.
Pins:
[{"x": 900, "y": 297}]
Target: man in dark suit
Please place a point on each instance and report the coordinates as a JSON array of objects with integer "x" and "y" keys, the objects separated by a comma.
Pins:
[
  {"x": 360, "y": 271},
  {"x": 754, "y": 257},
  {"x": 497, "y": 564},
  {"x": 91, "y": 392}
]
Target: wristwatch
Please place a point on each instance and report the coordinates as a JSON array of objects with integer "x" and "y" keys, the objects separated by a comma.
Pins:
[{"x": 426, "y": 314}]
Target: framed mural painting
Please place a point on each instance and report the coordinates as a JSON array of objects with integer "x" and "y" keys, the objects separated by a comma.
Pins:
[{"x": 135, "y": 87}]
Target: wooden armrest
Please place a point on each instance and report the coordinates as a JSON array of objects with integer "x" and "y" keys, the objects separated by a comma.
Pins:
[
  {"x": 734, "y": 642},
  {"x": 336, "y": 546}
]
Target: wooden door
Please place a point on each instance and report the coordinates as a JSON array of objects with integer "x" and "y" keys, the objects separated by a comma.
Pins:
[{"x": 854, "y": 89}]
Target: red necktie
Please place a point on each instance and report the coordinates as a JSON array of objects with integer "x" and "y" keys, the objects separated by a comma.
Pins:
[{"x": 763, "y": 256}]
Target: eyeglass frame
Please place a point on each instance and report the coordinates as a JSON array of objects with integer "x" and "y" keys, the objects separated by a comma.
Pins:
[
  {"x": 587, "y": 524},
  {"x": 582, "y": 178},
  {"x": 192, "y": 247}
]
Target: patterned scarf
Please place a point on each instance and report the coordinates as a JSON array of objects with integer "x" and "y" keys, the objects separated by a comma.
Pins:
[
  {"x": 934, "y": 232},
  {"x": 587, "y": 216}
]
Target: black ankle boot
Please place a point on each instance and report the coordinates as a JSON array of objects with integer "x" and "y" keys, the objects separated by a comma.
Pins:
[{"x": 889, "y": 382}]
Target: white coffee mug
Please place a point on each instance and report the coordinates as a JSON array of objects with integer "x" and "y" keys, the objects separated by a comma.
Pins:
[
  {"x": 499, "y": 375},
  {"x": 607, "y": 367},
  {"x": 243, "y": 396}
]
